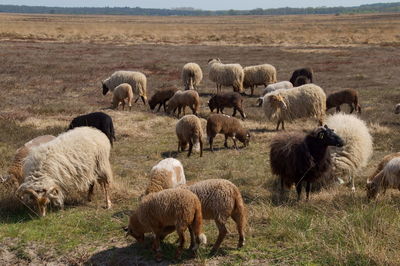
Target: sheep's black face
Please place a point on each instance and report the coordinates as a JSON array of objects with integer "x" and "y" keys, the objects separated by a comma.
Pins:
[
  {"x": 244, "y": 138},
  {"x": 152, "y": 105},
  {"x": 105, "y": 89},
  {"x": 328, "y": 137}
]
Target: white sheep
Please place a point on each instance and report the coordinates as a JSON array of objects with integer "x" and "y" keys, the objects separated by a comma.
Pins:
[
  {"x": 286, "y": 105},
  {"x": 258, "y": 75},
  {"x": 397, "y": 109},
  {"x": 136, "y": 79},
  {"x": 226, "y": 74},
  {"x": 388, "y": 177},
  {"x": 122, "y": 92},
  {"x": 181, "y": 99},
  {"x": 355, "y": 154},
  {"x": 71, "y": 163},
  {"x": 191, "y": 76},
  {"x": 168, "y": 173},
  {"x": 189, "y": 130},
  {"x": 273, "y": 87}
]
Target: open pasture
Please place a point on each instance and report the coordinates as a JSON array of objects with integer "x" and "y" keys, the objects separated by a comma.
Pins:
[{"x": 51, "y": 71}]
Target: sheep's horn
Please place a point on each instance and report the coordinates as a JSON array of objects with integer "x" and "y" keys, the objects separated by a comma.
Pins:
[
  {"x": 50, "y": 192},
  {"x": 29, "y": 190}
]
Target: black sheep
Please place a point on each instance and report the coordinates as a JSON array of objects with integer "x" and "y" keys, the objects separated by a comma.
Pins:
[
  {"x": 99, "y": 120},
  {"x": 297, "y": 157},
  {"x": 307, "y": 72}
]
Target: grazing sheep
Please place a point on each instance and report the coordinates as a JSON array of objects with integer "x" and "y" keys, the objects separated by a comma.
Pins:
[
  {"x": 189, "y": 130},
  {"x": 15, "y": 171},
  {"x": 181, "y": 99},
  {"x": 229, "y": 99},
  {"x": 229, "y": 126},
  {"x": 221, "y": 199},
  {"x": 348, "y": 96},
  {"x": 397, "y": 109},
  {"x": 273, "y": 87},
  {"x": 350, "y": 159},
  {"x": 121, "y": 92},
  {"x": 191, "y": 76},
  {"x": 307, "y": 72},
  {"x": 161, "y": 97},
  {"x": 297, "y": 157},
  {"x": 301, "y": 80},
  {"x": 226, "y": 74},
  {"x": 99, "y": 120},
  {"x": 164, "y": 211},
  {"x": 388, "y": 177},
  {"x": 258, "y": 75},
  {"x": 70, "y": 163},
  {"x": 167, "y": 173},
  {"x": 137, "y": 80},
  {"x": 286, "y": 105}
]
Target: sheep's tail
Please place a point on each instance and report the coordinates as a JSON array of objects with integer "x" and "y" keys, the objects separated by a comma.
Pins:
[{"x": 197, "y": 224}]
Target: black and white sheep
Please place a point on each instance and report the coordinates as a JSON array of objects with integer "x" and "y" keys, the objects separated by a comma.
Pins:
[
  {"x": 191, "y": 76},
  {"x": 226, "y": 74}
]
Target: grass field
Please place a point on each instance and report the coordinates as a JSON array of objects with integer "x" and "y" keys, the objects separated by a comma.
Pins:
[{"x": 51, "y": 71}]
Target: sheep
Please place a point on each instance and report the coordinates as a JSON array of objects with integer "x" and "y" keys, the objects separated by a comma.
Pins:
[
  {"x": 15, "y": 171},
  {"x": 70, "y": 163},
  {"x": 221, "y": 199},
  {"x": 350, "y": 159},
  {"x": 165, "y": 211},
  {"x": 226, "y": 74},
  {"x": 301, "y": 80},
  {"x": 229, "y": 126},
  {"x": 258, "y": 75},
  {"x": 397, "y": 109},
  {"x": 121, "y": 92},
  {"x": 136, "y": 79},
  {"x": 273, "y": 87},
  {"x": 161, "y": 97},
  {"x": 388, "y": 177},
  {"x": 307, "y": 72},
  {"x": 181, "y": 99},
  {"x": 298, "y": 157},
  {"x": 286, "y": 105},
  {"x": 99, "y": 120},
  {"x": 229, "y": 99},
  {"x": 167, "y": 173},
  {"x": 348, "y": 96},
  {"x": 191, "y": 76},
  {"x": 189, "y": 130}
]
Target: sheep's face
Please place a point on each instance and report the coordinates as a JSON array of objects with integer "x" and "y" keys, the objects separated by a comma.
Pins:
[
  {"x": 328, "y": 137},
  {"x": 41, "y": 199},
  {"x": 105, "y": 89},
  {"x": 152, "y": 104},
  {"x": 372, "y": 190},
  {"x": 277, "y": 102},
  {"x": 134, "y": 229},
  {"x": 244, "y": 138},
  {"x": 397, "y": 109}
]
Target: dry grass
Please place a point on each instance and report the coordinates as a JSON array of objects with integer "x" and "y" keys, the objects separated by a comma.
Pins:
[{"x": 51, "y": 71}]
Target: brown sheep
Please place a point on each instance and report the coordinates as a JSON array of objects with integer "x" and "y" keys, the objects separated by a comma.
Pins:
[
  {"x": 229, "y": 126},
  {"x": 181, "y": 99},
  {"x": 189, "y": 130},
  {"x": 122, "y": 92},
  {"x": 348, "y": 96},
  {"x": 229, "y": 99},
  {"x": 161, "y": 97}
]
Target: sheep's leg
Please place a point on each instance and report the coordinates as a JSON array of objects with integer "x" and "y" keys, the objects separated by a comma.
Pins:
[
  {"x": 277, "y": 125},
  {"x": 164, "y": 105},
  {"x": 181, "y": 234},
  {"x": 252, "y": 90},
  {"x": 226, "y": 141},
  {"x": 298, "y": 189},
  {"x": 201, "y": 147},
  {"x": 210, "y": 141},
  {"x": 143, "y": 100},
  {"x": 234, "y": 142},
  {"x": 137, "y": 99},
  {"x": 90, "y": 192},
  {"x": 242, "y": 113},
  {"x": 222, "y": 110},
  {"x": 190, "y": 147},
  {"x": 179, "y": 111},
  {"x": 351, "y": 108},
  {"x": 184, "y": 110},
  {"x": 192, "y": 239},
  {"x": 283, "y": 125},
  {"x": 123, "y": 105},
  {"x": 338, "y": 108},
  {"x": 239, "y": 219},
  {"x": 234, "y": 111},
  {"x": 308, "y": 188},
  {"x": 222, "y": 233},
  {"x": 353, "y": 187},
  {"x": 156, "y": 245},
  {"x": 107, "y": 196},
  {"x": 159, "y": 107},
  {"x": 166, "y": 231}
]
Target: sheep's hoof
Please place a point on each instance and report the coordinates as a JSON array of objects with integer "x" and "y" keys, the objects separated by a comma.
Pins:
[{"x": 353, "y": 189}]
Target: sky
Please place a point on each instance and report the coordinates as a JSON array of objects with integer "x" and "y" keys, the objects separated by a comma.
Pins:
[{"x": 200, "y": 4}]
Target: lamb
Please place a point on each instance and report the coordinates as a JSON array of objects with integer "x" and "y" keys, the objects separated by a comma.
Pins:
[
  {"x": 348, "y": 96},
  {"x": 388, "y": 177},
  {"x": 70, "y": 163},
  {"x": 397, "y": 109},
  {"x": 122, "y": 92},
  {"x": 137, "y": 80},
  {"x": 229, "y": 99},
  {"x": 229, "y": 126},
  {"x": 191, "y": 76},
  {"x": 221, "y": 199},
  {"x": 181, "y": 99},
  {"x": 189, "y": 130},
  {"x": 286, "y": 105},
  {"x": 297, "y": 157},
  {"x": 99, "y": 120},
  {"x": 350, "y": 159},
  {"x": 161, "y": 97},
  {"x": 168, "y": 173},
  {"x": 258, "y": 75},
  {"x": 165, "y": 211},
  {"x": 307, "y": 72},
  {"x": 15, "y": 171},
  {"x": 273, "y": 87},
  {"x": 226, "y": 74}
]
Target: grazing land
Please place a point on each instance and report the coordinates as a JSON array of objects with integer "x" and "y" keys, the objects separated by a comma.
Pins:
[{"x": 51, "y": 71}]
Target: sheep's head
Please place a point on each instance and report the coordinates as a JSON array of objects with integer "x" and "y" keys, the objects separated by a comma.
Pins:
[
  {"x": 41, "y": 198},
  {"x": 260, "y": 101},
  {"x": 300, "y": 80},
  {"x": 244, "y": 137},
  {"x": 212, "y": 103},
  {"x": 213, "y": 60},
  {"x": 327, "y": 136},
  {"x": 372, "y": 190},
  {"x": 277, "y": 101},
  {"x": 105, "y": 88},
  {"x": 135, "y": 228},
  {"x": 397, "y": 109}
]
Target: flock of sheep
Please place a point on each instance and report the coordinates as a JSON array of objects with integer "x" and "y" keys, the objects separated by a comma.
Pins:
[{"x": 51, "y": 170}]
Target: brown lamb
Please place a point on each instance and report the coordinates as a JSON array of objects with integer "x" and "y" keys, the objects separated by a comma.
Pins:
[
  {"x": 348, "y": 96},
  {"x": 161, "y": 97},
  {"x": 229, "y": 99}
]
